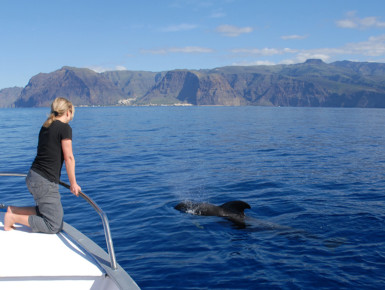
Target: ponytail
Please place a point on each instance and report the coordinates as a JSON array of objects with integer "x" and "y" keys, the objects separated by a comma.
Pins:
[
  {"x": 58, "y": 108},
  {"x": 49, "y": 120}
]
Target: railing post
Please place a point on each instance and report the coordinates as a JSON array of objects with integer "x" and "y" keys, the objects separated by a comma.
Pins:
[{"x": 103, "y": 216}]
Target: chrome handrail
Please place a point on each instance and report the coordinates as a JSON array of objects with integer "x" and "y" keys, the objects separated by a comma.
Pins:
[{"x": 102, "y": 215}]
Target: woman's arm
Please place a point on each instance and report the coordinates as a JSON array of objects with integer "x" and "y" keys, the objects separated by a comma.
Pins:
[{"x": 69, "y": 160}]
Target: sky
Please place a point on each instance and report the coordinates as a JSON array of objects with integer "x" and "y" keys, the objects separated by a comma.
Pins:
[{"x": 41, "y": 36}]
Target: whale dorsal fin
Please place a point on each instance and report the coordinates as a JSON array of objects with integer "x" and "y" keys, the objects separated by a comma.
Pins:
[{"x": 236, "y": 206}]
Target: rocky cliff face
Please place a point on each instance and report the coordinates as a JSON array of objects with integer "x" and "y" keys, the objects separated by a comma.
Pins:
[
  {"x": 133, "y": 84},
  {"x": 276, "y": 90},
  {"x": 9, "y": 96},
  {"x": 81, "y": 86},
  {"x": 182, "y": 86},
  {"x": 313, "y": 83},
  {"x": 168, "y": 89}
]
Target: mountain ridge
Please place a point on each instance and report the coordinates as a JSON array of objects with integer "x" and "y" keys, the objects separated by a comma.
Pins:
[{"x": 313, "y": 83}]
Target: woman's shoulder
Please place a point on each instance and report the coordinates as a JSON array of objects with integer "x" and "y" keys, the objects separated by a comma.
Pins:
[
  {"x": 62, "y": 130},
  {"x": 60, "y": 124}
]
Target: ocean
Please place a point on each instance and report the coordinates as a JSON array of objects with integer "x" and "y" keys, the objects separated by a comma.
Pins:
[{"x": 314, "y": 178}]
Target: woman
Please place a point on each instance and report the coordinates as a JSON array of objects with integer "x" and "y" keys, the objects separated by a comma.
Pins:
[{"x": 54, "y": 147}]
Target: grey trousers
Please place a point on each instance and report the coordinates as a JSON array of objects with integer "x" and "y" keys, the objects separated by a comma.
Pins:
[{"x": 49, "y": 218}]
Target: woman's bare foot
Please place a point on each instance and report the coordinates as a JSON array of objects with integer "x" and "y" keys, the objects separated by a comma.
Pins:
[{"x": 9, "y": 220}]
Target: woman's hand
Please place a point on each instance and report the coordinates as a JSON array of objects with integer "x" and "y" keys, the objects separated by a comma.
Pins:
[{"x": 75, "y": 189}]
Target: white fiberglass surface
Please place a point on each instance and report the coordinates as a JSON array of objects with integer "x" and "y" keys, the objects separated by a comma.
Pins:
[{"x": 27, "y": 254}]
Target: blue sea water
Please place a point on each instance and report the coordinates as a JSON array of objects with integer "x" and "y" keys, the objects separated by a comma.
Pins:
[{"x": 314, "y": 178}]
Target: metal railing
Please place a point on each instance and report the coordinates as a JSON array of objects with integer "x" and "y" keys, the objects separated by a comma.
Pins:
[{"x": 102, "y": 215}]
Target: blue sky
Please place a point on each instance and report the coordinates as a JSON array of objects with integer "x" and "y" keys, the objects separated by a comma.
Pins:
[{"x": 40, "y": 36}]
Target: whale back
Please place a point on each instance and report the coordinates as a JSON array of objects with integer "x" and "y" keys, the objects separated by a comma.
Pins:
[
  {"x": 232, "y": 210},
  {"x": 236, "y": 207},
  {"x": 199, "y": 208}
]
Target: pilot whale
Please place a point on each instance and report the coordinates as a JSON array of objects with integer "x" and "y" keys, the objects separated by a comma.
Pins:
[{"x": 232, "y": 210}]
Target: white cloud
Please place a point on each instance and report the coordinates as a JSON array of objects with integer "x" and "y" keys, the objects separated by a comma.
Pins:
[
  {"x": 233, "y": 31},
  {"x": 374, "y": 47},
  {"x": 218, "y": 14},
  {"x": 294, "y": 36},
  {"x": 257, "y": 51},
  {"x": 352, "y": 21},
  {"x": 97, "y": 69},
  {"x": 346, "y": 23},
  {"x": 100, "y": 69},
  {"x": 258, "y": 62},
  {"x": 264, "y": 51},
  {"x": 120, "y": 67},
  {"x": 305, "y": 55},
  {"x": 179, "y": 27},
  {"x": 187, "y": 49}
]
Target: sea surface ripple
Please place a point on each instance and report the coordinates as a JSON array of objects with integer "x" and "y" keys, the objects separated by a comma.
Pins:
[{"x": 314, "y": 178}]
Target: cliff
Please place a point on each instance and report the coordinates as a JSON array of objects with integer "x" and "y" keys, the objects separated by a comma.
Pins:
[
  {"x": 313, "y": 83},
  {"x": 81, "y": 86},
  {"x": 9, "y": 96}
]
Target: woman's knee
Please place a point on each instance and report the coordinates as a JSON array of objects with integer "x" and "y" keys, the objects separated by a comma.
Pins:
[
  {"x": 40, "y": 224},
  {"x": 54, "y": 222},
  {"x": 55, "y": 228}
]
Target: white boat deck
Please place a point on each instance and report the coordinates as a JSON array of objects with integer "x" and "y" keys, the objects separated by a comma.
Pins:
[{"x": 42, "y": 261}]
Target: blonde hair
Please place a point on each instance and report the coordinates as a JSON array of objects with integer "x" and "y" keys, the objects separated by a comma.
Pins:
[{"x": 59, "y": 107}]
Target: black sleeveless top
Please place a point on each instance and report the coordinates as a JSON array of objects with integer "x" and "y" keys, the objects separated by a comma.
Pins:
[{"x": 49, "y": 159}]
